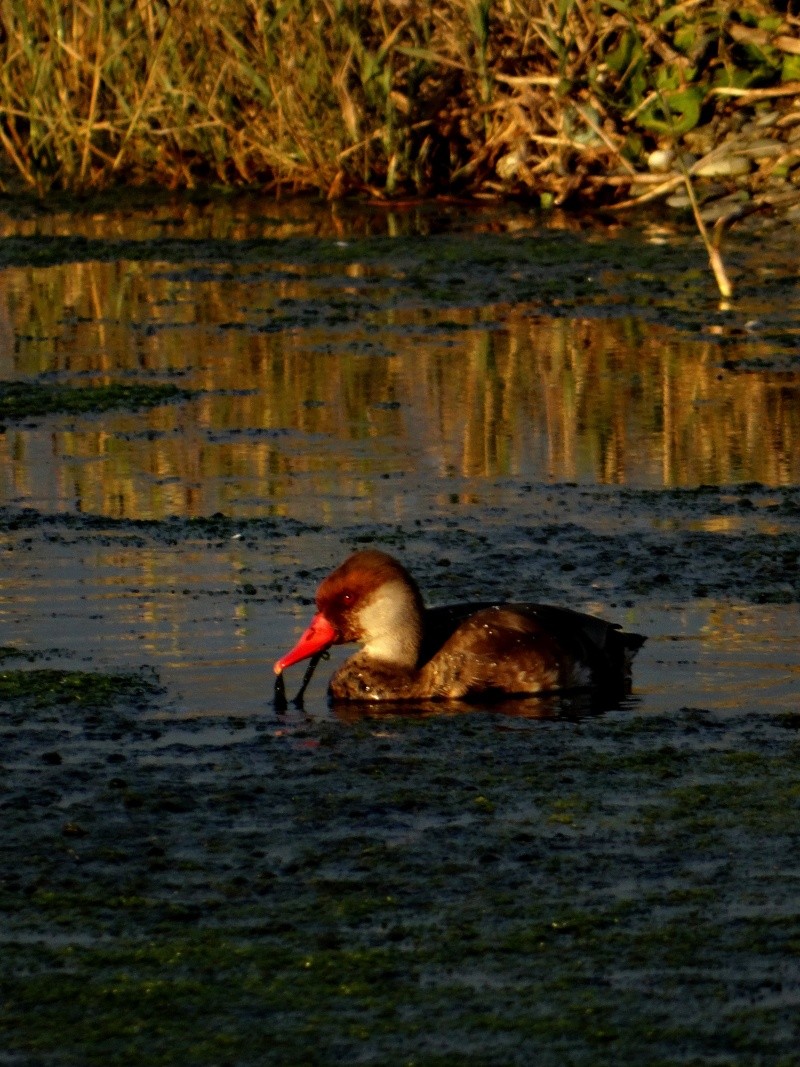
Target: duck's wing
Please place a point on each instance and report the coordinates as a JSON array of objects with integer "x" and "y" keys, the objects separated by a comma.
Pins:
[
  {"x": 439, "y": 625},
  {"x": 601, "y": 647},
  {"x": 566, "y": 624}
]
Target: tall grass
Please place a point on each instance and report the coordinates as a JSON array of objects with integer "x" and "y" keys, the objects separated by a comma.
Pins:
[{"x": 555, "y": 98}]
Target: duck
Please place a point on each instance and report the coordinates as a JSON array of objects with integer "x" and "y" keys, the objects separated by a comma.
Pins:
[{"x": 455, "y": 652}]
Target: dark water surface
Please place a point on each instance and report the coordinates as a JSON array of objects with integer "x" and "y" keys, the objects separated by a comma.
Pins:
[{"x": 552, "y": 414}]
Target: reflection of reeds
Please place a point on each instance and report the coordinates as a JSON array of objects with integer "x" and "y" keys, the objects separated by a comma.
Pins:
[{"x": 606, "y": 400}]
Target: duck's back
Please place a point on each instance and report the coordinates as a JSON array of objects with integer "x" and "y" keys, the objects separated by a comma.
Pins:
[{"x": 470, "y": 649}]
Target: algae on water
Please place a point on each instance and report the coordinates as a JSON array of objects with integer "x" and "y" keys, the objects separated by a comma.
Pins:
[
  {"x": 24, "y": 400},
  {"x": 46, "y": 686}
]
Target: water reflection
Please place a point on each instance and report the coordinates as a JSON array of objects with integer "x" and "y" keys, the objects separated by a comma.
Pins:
[
  {"x": 570, "y": 707},
  {"x": 316, "y": 387},
  {"x": 333, "y": 390}
]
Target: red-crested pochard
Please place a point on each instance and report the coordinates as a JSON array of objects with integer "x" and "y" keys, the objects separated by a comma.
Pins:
[{"x": 409, "y": 652}]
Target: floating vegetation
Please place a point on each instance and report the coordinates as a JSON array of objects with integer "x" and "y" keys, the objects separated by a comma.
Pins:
[
  {"x": 24, "y": 400},
  {"x": 47, "y": 686}
]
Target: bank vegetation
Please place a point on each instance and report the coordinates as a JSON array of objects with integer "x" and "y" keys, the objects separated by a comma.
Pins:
[{"x": 562, "y": 101}]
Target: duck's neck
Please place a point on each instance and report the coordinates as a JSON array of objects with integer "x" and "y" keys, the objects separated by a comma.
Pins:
[{"x": 392, "y": 625}]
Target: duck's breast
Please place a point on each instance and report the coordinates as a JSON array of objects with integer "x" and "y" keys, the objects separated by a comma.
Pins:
[{"x": 364, "y": 678}]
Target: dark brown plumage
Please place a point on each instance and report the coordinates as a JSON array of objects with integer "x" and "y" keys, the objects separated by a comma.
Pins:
[{"x": 459, "y": 651}]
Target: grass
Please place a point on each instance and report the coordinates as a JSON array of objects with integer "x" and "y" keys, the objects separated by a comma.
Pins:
[
  {"x": 564, "y": 102},
  {"x": 560, "y": 100}
]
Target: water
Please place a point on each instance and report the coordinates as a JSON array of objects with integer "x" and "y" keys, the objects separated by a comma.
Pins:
[
  {"x": 452, "y": 378},
  {"x": 566, "y": 415}
]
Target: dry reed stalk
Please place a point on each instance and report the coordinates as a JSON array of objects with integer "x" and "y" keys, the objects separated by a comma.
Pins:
[
  {"x": 712, "y": 247},
  {"x": 96, "y": 73},
  {"x": 143, "y": 96}
]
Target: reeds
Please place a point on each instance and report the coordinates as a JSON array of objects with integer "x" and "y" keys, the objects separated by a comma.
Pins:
[{"x": 561, "y": 100}]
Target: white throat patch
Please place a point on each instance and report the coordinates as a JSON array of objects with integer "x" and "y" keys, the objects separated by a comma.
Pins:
[{"x": 391, "y": 627}]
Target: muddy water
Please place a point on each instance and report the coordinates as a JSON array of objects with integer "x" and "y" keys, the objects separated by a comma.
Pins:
[{"x": 550, "y": 413}]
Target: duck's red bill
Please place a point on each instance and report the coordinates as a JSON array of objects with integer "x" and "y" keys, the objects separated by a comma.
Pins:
[{"x": 319, "y": 636}]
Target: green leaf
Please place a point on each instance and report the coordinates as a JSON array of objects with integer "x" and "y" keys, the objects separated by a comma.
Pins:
[
  {"x": 733, "y": 78},
  {"x": 619, "y": 58},
  {"x": 620, "y": 6},
  {"x": 675, "y": 113}
]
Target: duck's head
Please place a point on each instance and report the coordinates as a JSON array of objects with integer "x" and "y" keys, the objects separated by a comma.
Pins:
[{"x": 370, "y": 599}]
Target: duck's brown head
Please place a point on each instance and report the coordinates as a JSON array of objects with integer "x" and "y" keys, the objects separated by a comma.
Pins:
[{"x": 370, "y": 599}]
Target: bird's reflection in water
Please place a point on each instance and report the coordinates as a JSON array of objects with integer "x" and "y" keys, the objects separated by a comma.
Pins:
[{"x": 556, "y": 706}]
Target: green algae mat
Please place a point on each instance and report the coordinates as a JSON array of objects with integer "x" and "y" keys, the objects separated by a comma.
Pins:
[
  {"x": 20, "y": 400},
  {"x": 475, "y": 887}
]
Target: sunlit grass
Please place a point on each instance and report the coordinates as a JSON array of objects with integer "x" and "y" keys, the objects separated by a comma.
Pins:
[{"x": 558, "y": 100}]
